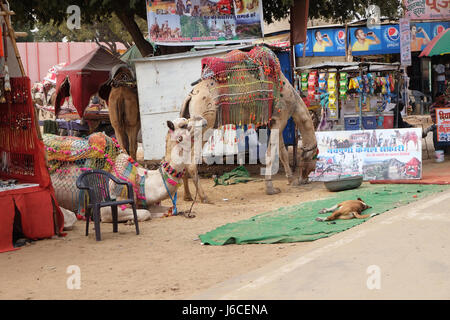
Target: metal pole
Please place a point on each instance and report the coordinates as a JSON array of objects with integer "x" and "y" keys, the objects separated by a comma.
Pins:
[{"x": 360, "y": 99}]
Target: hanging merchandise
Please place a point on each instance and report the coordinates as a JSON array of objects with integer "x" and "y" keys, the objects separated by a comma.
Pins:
[
  {"x": 353, "y": 86},
  {"x": 332, "y": 101},
  {"x": 371, "y": 84},
  {"x": 322, "y": 82},
  {"x": 343, "y": 85},
  {"x": 304, "y": 82},
  {"x": 312, "y": 84}
]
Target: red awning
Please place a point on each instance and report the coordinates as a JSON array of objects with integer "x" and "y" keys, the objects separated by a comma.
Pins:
[{"x": 85, "y": 77}]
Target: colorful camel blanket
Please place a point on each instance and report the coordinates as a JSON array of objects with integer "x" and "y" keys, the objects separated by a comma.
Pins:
[
  {"x": 69, "y": 156},
  {"x": 248, "y": 85}
]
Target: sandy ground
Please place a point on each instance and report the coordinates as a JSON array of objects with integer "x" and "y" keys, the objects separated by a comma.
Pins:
[{"x": 166, "y": 261}]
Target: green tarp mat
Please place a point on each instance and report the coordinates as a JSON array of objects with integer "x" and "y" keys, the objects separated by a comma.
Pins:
[
  {"x": 297, "y": 223},
  {"x": 237, "y": 175}
]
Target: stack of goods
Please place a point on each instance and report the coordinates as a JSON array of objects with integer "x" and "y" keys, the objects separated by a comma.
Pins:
[
  {"x": 312, "y": 85},
  {"x": 332, "y": 100},
  {"x": 343, "y": 77},
  {"x": 304, "y": 82},
  {"x": 247, "y": 85}
]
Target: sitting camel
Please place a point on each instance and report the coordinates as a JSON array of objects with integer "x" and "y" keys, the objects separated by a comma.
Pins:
[{"x": 69, "y": 156}]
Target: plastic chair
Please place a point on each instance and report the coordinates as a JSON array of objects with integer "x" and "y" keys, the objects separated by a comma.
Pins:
[{"x": 96, "y": 182}]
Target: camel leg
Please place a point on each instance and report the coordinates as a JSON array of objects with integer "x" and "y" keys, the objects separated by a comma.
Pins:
[
  {"x": 193, "y": 172},
  {"x": 270, "y": 160},
  {"x": 284, "y": 157},
  {"x": 132, "y": 134},
  {"x": 187, "y": 192}
]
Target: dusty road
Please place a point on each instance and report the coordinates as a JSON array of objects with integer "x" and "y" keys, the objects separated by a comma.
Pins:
[
  {"x": 401, "y": 254},
  {"x": 168, "y": 262}
]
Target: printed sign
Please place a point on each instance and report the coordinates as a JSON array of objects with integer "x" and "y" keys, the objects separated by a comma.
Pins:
[
  {"x": 423, "y": 33},
  {"x": 197, "y": 22},
  {"x": 388, "y": 154},
  {"x": 405, "y": 42},
  {"x": 381, "y": 40},
  {"x": 427, "y": 9},
  {"x": 443, "y": 124}
]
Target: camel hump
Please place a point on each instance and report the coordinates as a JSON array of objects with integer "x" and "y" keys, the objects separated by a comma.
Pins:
[{"x": 122, "y": 70}]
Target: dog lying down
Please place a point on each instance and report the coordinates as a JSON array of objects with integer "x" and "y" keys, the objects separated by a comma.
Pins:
[{"x": 346, "y": 210}]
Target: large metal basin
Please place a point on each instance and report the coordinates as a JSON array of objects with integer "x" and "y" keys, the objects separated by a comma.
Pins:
[{"x": 344, "y": 183}]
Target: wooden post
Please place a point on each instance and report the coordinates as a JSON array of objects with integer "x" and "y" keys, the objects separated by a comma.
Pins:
[{"x": 12, "y": 37}]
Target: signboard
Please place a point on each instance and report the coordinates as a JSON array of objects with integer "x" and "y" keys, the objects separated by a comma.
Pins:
[
  {"x": 328, "y": 42},
  {"x": 427, "y": 9},
  {"x": 381, "y": 40},
  {"x": 308, "y": 50},
  {"x": 199, "y": 22},
  {"x": 405, "y": 42},
  {"x": 423, "y": 33},
  {"x": 443, "y": 124},
  {"x": 388, "y": 154}
]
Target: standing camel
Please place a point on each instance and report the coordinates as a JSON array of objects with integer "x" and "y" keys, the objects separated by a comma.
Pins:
[
  {"x": 201, "y": 103},
  {"x": 123, "y": 105}
]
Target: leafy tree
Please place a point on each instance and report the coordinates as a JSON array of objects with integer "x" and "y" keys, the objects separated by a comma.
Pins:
[
  {"x": 105, "y": 33},
  {"x": 127, "y": 12}
]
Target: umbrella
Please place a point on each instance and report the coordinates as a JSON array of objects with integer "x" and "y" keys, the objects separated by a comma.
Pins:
[{"x": 438, "y": 46}]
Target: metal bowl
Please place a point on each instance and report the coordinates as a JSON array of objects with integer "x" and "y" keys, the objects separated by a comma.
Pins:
[{"x": 344, "y": 183}]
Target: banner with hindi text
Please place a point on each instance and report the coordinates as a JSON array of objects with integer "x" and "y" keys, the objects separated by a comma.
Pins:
[{"x": 387, "y": 154}]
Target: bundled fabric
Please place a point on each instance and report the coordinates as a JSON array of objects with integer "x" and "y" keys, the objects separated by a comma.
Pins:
[
  {"x": 237, "y": 175},
  {"x": 248, "y": 85}
]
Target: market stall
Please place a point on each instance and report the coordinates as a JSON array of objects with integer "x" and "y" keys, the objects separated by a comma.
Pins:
[
  {"x": 29, "y": 208},
  {"x": 351, "y": 95}
]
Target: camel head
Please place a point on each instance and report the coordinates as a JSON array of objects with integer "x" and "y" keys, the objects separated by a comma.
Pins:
[
  {"x": 179, "y": 139},
  {"x": 308, "y": 160}
]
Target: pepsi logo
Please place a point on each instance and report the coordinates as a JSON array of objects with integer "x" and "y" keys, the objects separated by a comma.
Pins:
[
  {"x": 340, "y": 37},
  {"x": 392, "y": 34},
  {"x": 438, "y": 29}
]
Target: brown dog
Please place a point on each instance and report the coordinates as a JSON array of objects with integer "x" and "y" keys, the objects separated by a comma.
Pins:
[{"x": 346, "y": 210}]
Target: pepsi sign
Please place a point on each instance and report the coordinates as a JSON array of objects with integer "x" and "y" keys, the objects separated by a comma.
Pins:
[{"x": 392, "y": 34}]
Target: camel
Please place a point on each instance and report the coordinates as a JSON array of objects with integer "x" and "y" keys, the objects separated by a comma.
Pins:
[
  {"x": 200, "y": 102},
  {"x": 65, "y": 166},
  {"x": 123, "y": 103}
]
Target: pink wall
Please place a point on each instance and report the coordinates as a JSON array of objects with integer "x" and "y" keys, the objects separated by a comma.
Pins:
[{"x": 38, "y": 57}]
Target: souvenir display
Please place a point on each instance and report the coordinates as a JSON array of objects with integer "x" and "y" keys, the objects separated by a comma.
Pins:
[
  {"x": 17, "y": 130},
  {"x": 371, "y": 91},
  {"x": 304, "y": 82},
  {"x": 332, "y": 100},
  {"x": 343, "y": 85},
  {"x": 312, "y": 85}
]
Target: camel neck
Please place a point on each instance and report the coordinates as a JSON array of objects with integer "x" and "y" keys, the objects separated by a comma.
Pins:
[{"x": 176, "y": 171}]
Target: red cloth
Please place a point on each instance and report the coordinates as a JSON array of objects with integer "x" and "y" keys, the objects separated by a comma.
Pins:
[
  {"x": 35, "y": 204},
  {"x": 85, "y": 75},
  {"x": 6, "y": 223},
  {"x": 36, "y": 210}
]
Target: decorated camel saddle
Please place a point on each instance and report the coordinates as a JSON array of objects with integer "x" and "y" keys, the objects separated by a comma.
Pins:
[
  {"x": 247, "y": 87},
  {"x": 69, "y": 156}
]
